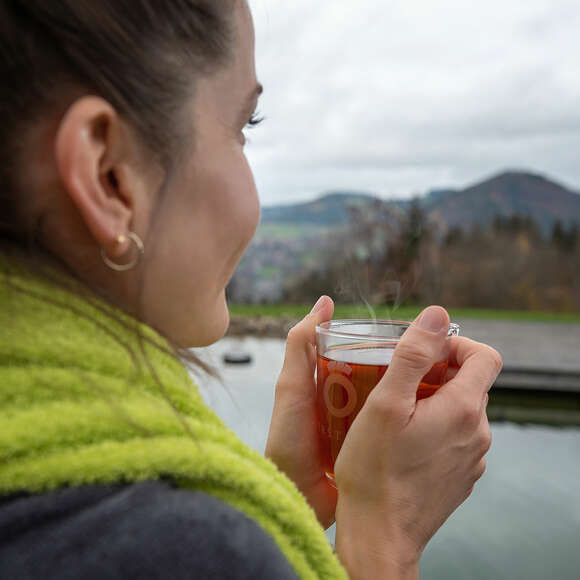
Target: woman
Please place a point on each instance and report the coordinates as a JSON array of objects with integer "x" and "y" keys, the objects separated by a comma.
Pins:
[{"x": 126, "y": 204}]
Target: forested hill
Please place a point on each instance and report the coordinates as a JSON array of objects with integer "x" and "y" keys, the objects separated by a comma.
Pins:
[
  {"x": 544, "y": 200},
  {"x": 505, "y": 194}
]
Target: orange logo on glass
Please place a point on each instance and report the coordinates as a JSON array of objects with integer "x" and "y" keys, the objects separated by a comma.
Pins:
[{"x": 339, "y": 373}]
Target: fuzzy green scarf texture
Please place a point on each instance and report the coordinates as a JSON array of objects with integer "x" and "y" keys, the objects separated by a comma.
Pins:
[{"x": 79, "y": 405}]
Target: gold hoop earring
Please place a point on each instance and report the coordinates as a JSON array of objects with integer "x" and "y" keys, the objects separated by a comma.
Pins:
[{"x": 124, "y": 267}]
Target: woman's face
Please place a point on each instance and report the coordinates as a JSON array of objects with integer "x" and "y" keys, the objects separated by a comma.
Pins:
[{"x": 210, "y": 210}]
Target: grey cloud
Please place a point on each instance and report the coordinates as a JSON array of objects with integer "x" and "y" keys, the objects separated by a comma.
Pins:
[{"x": 397, "y": 97}]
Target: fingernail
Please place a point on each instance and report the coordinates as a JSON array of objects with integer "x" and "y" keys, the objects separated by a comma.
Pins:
[
  {"x": 432, "y": 319},
  {"x": 318, "y": 305}
]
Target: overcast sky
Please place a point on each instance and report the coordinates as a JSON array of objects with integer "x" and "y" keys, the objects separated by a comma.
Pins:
[{"x": 398, "y": 97}]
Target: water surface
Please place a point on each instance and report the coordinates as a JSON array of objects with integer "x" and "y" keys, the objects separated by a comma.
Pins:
[{"x": 523, "y": 519}]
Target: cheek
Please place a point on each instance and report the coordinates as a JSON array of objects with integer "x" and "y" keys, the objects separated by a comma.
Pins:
[
  {"x": 237, "y": 208},
  {"x": 199, "y": 241},
  {"x": 253, "y": 203},
  {"x": 248, "y": 214}
]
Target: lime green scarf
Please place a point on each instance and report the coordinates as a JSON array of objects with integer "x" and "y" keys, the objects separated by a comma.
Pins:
[{"x": 79, "y": 405}]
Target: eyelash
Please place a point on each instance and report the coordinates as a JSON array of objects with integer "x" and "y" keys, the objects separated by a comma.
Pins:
[{"x": 254, "y": 121}]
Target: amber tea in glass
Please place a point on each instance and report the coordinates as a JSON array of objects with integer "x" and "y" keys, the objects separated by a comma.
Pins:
[{"x": 352, "y": 357}]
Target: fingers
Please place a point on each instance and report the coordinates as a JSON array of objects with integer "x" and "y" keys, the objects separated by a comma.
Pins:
[
  {"x": 418, "y": 350},
  {"x": 482, "y": 444},
  {"x": 477, "y": 475},
  {"x": 476, "y": 366},
  {"x": 451, "y": 373},
  {"x": 483, "y": 435},
  {"x": 485, "y": 401},
  {"x": 298, "y": 361}
]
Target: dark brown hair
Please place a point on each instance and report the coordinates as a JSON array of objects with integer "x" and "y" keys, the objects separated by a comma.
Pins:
[{"x": 142, "y": 56}]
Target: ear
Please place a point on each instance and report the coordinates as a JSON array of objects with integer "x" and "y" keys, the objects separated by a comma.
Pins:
[{"x": 92, "y": 160}]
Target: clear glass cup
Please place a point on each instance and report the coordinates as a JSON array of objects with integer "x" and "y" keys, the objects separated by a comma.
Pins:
[{"x": 352, "y": 357}]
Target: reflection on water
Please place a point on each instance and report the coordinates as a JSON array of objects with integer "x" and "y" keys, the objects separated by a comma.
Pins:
[{"x": 523, "y": 520}]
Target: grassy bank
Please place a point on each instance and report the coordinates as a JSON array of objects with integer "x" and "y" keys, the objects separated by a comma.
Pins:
[
  {"x": 404, "y": 313},
  {"x": 534, "y": 407}
]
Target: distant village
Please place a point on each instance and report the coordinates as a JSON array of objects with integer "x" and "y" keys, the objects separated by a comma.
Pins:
[{"x": 511, "y": 241}]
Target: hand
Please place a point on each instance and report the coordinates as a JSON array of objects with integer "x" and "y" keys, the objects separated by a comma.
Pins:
[
  {"x": 406, "y": 465},
  {"x": 293, "y": 440}
]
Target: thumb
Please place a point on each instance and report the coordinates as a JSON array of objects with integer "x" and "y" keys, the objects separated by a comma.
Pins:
[
  {"x": 299, "y": 359},
  {"x": 419, "y": 349}
]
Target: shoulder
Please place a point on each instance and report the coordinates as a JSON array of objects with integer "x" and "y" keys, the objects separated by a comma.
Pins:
[{"x": 147, "y": 530}]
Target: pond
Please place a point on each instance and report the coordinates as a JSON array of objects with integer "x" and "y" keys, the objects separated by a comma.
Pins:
[{"x": 523, "y": 519}]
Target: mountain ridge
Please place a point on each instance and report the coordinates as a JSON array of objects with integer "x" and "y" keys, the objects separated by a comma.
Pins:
[{"x": 502, "y": 194}]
